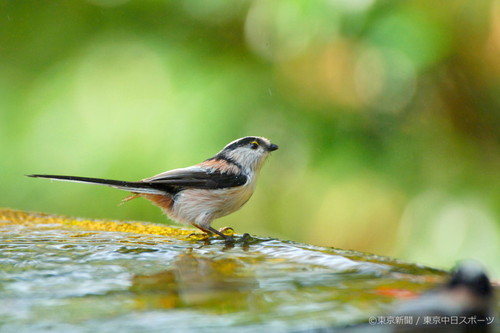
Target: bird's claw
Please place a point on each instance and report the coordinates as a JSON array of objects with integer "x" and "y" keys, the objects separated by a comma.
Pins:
[{"x": 228, "y": 231}]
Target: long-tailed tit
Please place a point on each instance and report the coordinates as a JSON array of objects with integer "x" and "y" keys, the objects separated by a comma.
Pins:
[{"x": 201, "y": 193}]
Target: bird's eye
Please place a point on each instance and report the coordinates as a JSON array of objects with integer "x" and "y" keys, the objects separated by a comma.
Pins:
[{"x": 254, "y": 145}]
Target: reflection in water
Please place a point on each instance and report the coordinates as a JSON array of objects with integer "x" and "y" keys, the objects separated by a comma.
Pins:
[{"x": 194, "y": 281}]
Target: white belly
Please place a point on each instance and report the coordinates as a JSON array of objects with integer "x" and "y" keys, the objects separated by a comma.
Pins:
[{"x": 201, "y": 207}]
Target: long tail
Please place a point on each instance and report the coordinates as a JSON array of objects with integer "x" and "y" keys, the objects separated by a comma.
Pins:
[{"x": 136, "y": 187}]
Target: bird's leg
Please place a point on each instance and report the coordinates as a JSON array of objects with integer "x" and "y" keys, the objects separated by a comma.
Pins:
[
  {"x": 206, "y": 232},
  {"x": 229, "y": 229},
  {"x": 210, "y": 231},
  {"x": 215, "y": 231}
]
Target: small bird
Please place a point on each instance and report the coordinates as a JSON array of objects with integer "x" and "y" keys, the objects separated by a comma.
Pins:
[
  {"x": 463, "y": 304},
  {"x": 199, "y": 194}
]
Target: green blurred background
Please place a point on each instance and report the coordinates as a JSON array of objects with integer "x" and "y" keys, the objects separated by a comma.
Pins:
[{"x": 387, "y": 113}]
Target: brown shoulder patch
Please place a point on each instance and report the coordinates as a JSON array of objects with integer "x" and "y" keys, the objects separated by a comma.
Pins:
[{"x": 221, "y": 165}]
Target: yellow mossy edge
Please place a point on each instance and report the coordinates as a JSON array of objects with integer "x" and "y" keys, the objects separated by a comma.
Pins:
[{"x": 9, "y": 216}]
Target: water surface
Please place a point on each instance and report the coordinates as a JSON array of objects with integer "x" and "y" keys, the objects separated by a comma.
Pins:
[{"x": 58, "y": 277}]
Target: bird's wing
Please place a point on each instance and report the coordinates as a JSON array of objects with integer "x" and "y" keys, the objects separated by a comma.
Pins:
[
  {"x": 171, "y": 181},
  {"x": 197, "y": 177}
]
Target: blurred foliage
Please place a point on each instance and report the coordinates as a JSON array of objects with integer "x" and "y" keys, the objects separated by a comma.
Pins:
[{"x": 387, "y": 113}]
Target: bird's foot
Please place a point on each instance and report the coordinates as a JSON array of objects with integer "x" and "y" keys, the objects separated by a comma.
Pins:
[
  {"x": 246, "y": 237},
  {"x": 225, "y": 233},
  {"x": 228, "y": 231}
]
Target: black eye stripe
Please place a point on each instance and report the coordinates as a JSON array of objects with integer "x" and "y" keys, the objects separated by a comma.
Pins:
[{"x": 243, "y": 142}]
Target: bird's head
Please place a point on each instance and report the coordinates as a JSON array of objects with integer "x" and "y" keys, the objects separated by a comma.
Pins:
[{"x": 249, "y": 152}]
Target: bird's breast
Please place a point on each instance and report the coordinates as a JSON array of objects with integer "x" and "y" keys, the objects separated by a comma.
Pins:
[{"x": 201, "y": 206}]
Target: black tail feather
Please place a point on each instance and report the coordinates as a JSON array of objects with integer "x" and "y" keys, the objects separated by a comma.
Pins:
[{"x": 139, "y": 187}]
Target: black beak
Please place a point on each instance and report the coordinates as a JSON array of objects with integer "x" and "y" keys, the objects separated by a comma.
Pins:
[{"x": 272, "y": 147}]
